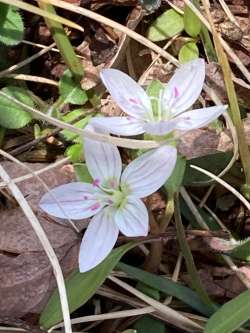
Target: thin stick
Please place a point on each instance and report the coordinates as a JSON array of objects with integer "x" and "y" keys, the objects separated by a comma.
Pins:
[
  {"x": 102, "y": 19},
  {"x": 224, "y": 44},
  {"x": 225, "y": 184},
  {"x": 173, "y": 317},
  {"x": 228, "y": 12},
  {"x": 45, "y": 243},
  {"x": 15, "y": 160},
  {"x": 126, "y": 143},
  {"x": 26, "y": 61},
  {"x": 227, "y": 259},
  {"x": 38, "y": 172},
  {"x": 32, "y": 78},
  {"x": 110, "y": 315}
]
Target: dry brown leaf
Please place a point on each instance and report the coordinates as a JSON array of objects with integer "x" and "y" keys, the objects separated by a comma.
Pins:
[
  {"x": 221, "y": 282},
  {"x": 26, "y": 277},
  {"x": 26, "y": 280}
]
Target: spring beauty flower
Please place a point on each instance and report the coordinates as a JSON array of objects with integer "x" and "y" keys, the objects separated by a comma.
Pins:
[
  {"x": 173, "y": 103},
  {"x": 113, "y": 199}
]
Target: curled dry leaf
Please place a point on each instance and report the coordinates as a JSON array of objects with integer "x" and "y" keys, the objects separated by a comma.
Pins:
[{"x": 26, "y": 276}]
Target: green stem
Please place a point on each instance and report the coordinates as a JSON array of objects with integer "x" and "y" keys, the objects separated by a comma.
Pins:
[
  {"x": 63, "y": 43},
  {"x": 188, "y": 255},
  {"x": 169, "y": 212}
]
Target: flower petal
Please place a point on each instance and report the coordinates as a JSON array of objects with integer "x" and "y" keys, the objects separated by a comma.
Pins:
[
  {"x": 128, "y": 94},
  {"x": 199, "y": 118},
  {"x": 74, "y": 200},
  {"x": 160, "y": 127},
  {"x": 132, "y": 219},
  {"x": 103, "y": 161},
  {"x": 185, "y": 86},
  {"x": 119, "y": 125},
  {"x": 149, "y": 172},
  {"x": 98, "y": 240}
]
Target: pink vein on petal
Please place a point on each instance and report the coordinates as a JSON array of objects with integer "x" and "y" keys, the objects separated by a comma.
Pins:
[
  {"x": 95, "y": 206},
  {"x": 132, "y": 100},
  {"x": 176, "y": 92}
]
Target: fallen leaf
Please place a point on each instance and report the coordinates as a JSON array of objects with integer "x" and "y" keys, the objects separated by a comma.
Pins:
[{"x": 26, "y": 277}]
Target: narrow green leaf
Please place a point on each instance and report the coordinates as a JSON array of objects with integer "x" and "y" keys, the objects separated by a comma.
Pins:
[
  {"x": 71, "y": 90},
  {"x": 187, "y": 254},
  {"x": 81, "y": 287},
  {"x": 11, "y": 25},
  {"x": 167, "y": 25},
  {"x": 148, "y": 324},
  {"x": 192, "y": 23},
  {"x": 11, "y": 115},
  {"x": 168, "y": 287},
  {"x": 188, "y": 52},
  {"x": 231, "y": 315}
]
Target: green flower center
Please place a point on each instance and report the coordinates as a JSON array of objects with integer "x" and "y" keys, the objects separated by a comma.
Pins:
[{"x": 119, "y": 199}]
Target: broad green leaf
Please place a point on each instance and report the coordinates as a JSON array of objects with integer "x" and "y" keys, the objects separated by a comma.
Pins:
[
  {"x": 11, "y": 115},
  {"x": 11, "y": 25},
  {"x": 167, "y": 25},
  {"x": 188, "y": 52},
  {"x": 148, "y": 324},
  {"x": 82, "y": 173},
  {"x": 81, "y": 287},
  {"x": 241, "y": 251},
  {"x": 174, "y": 182},
  {"x": 231, "y": 315},
  {"x": 71, "y": 117},
  {"x": 71, "y": 91},
  {"x": 214, "y": 163},
  {"x": 75, "y": 152},
  {"x": 168, "y": 287},
  {"x": 192, "y": 23}
]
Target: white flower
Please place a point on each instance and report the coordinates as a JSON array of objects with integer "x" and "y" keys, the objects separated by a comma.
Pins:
[
  {"x": 175, "y": 99},
  {"x": 113, "y": 199}
]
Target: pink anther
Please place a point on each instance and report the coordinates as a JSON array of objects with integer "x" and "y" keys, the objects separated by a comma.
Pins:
[{"x": 96, "y": 182}]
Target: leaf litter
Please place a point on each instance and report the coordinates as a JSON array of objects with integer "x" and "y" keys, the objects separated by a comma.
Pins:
[{"x": 27, "y": 280}]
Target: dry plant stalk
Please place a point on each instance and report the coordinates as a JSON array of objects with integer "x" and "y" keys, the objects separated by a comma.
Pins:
[{"x": 45, "y": 243}]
